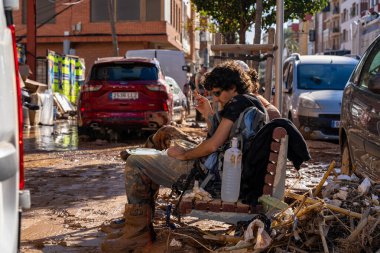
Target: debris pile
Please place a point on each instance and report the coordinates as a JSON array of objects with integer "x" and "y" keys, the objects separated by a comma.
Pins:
[{"x": 341, "y": 214}]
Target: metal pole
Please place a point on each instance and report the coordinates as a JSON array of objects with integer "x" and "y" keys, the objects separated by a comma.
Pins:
[
  {"x": 31, "y": 34},
  {"x": 279, "y": 52}
]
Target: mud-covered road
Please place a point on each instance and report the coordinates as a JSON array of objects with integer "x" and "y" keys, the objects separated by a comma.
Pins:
[{"x": 77, "y": 185}]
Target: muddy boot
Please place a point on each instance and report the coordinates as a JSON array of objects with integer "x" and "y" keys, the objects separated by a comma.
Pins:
[
  {"x": 137, "y": 232},
  {"x": 115, "y": 228}
]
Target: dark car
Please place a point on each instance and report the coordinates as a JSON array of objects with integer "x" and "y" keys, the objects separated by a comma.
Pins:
[
  {"x": 360, "y": 116},
  {"x": 125, "y": 93}
]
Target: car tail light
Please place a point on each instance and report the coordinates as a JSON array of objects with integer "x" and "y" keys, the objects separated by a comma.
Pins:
[
  {"x": 156, "y": 87},
  {"x": 93, "y": 87},
  {"x": 20, "y": 123},
  {"x": 165, "y": 107}
]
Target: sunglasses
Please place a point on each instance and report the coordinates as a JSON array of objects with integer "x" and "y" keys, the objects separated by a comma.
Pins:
[{"x": 217, "y": 93}]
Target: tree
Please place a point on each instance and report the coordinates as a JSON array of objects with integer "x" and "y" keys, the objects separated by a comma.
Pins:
[
  {"x": 290, "y": 43},
  {"x": 237, "y": 16}
]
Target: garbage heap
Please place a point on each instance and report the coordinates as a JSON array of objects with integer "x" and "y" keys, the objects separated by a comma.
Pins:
[{"x": 341, "y": 214}]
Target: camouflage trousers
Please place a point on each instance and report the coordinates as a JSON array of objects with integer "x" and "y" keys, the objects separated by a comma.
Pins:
[{"x": 145, "y": 173}]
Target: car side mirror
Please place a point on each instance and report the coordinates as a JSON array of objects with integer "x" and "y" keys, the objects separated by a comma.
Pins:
[
  {"x": 374, "y": 83},
  {"x": 186, "y": 68}
]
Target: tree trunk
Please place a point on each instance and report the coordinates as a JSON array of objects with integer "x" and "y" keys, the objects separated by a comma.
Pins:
[
  {"x": 242, "y": 32},
  {"x": 230, "y": 38},
  {"x": 257, "y": 38}
]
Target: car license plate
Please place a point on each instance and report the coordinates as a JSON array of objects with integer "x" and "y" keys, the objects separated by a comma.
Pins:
[
  {"x": 335, "y": 124},
  {"x": 125, "y": 95}
]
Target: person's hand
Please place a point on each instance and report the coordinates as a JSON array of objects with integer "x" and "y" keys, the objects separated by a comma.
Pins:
[
  {"x": 176, "y": 152},
  {"x": 162, "y": 138},
  {"x": 203, "y": 104}
]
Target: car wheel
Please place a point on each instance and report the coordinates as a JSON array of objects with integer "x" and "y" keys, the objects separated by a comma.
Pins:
[
  {"x": 346, "y": 167},
  {"x": 83, "y": 130}
]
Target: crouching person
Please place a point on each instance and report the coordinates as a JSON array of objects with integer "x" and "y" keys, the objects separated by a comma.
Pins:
[{"x": 229, "y": 85}]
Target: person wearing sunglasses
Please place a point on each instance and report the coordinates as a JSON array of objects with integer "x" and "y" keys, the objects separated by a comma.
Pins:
[{"x": 230, "y": 87}]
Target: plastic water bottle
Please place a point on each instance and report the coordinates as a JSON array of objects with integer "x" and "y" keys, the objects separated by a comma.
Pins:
[{"x": 231, "y": 173}]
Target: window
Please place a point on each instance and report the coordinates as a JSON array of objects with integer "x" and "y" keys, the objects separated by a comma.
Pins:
[
  {"x": 289, "y": 83},
  {"x": 371, "y": 67},
  {"x": 99, "y": 10},
  {"x": 45, "y": 11},
  {"x": 128, "y": 9},
  {"x": 153, "y": 10},
  {"x": 124, "y": 72},
  {"x": 125, "y": 10},
  {"x": 285, "y": 71},
  {"x": 323, "y": 76},
  {"x": 344, "y": 35}
]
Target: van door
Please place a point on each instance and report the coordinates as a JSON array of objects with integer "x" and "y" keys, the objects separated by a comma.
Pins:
[
  {"x": 288, "y": 90},
  {"x": 366, "y": 99}
]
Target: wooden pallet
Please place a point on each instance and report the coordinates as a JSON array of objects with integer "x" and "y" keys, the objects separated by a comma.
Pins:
[{"x": 274, "y": 186}]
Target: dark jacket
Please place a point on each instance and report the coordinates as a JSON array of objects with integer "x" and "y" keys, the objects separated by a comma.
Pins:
[{"x": 255, "y": 161}]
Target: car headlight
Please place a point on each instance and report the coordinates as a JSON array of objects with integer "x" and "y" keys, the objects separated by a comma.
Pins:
[{"x": 308, "y": 103}]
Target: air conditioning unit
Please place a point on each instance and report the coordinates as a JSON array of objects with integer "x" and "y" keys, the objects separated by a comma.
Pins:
[{"x": 77, "y": 27}]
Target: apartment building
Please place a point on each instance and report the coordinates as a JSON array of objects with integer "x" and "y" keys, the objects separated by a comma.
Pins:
[
  {"x": 344, "y": 26},
  {"x": 85, "y": 30}
]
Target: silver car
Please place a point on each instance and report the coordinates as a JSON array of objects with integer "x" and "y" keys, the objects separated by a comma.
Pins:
[
  {"x": 312, "y": 93},
  {"x": 179, "y": 100}
]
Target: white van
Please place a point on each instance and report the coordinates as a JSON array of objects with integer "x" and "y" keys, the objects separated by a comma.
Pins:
[
  {"x": 312, "y": 92},
  {"x": 13, "y": 197},
  {"x": 172, "y": 62}
]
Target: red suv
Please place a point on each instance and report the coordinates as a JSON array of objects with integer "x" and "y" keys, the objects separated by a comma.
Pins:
[{"x": 127, "y": 93}]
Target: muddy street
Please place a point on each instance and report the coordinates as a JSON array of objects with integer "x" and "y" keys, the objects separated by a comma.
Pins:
[{"x": 77, "y": 185}]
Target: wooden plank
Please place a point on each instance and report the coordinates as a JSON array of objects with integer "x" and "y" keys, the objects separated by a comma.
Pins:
[
  {"x": 279, "y": 180},
  {"x": 242, "y": 47}
]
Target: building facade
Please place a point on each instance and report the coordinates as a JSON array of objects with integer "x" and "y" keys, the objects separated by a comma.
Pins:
[
  {"x": 84, "y": 29},
  {"x": 343, "y": 27}
]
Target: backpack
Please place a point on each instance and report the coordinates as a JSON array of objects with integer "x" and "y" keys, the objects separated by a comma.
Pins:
[{"x": 245, "y": 128}]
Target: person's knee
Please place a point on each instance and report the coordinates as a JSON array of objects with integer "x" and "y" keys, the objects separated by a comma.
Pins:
[{"x": 130, "y": 165}]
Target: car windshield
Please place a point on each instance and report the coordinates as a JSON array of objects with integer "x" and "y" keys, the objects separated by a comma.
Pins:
[
  {"x": 124, "y": 72},
  {"x": 323, "y": 76}
]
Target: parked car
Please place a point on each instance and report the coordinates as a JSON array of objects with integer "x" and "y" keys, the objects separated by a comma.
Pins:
[
  {"x": 360, "y": 131},
  {"x": 313, "y": 87},
  {"x": 13, "y": 196},
  {"x": 172, "y": 62},
  {"x": 179, "y": 100},
  {"x": 125, "y": 93}
]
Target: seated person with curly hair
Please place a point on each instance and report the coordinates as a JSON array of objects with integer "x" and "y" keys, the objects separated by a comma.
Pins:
[{"x": 230, "y": 87}]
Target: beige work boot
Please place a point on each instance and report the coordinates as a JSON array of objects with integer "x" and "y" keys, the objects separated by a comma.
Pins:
[
  {"x": 115, "y": 225},
  {"x": 115, "y": 228},
  {"x": 137, "y": 232}
]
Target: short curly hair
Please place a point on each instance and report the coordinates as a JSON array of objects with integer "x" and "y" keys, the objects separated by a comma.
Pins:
[
  {"x": 255, "y": 80},
  {"x": 226, "y": 76}
]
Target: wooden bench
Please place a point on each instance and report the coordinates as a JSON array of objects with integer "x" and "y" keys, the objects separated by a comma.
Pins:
[{"x": 233, "y": 212}]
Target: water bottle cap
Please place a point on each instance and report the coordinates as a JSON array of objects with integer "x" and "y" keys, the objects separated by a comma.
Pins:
[{"x": 234, "y": 142}]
